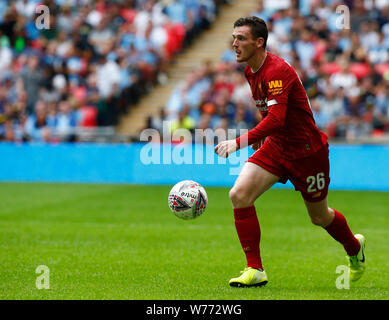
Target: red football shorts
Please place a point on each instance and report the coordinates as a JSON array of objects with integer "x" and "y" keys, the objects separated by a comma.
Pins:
[{"x": 309, "y": 175}]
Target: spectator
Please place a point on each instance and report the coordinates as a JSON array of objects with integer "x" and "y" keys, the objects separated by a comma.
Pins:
[
  {"x": 331, "y": 104},
  {"x": 305, "y": 49},
  {"x": 36, "y": 127},
  {"x": 108, "y": 76},
  {"x": 321, "y": 116},
  {"x": 101, "y": 37},
  {"x": 32, "y": 80},
  {"x": 381, "y": 110},
  {"x": 184, "y": 121},
  {"x": 66, "y": 122},
  {"x": 344, "y": 78}
]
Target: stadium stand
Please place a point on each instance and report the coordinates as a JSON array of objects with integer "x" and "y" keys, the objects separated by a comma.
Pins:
[
  {"x": 99, "y": 60},
  {"x": 345, "y": 71},
  {"x": 207, "y": 47},
  {"x": 90, "y": 65}
]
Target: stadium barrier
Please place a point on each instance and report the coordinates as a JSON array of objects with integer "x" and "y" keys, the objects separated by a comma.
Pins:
[{"x": 353, "y": 167}]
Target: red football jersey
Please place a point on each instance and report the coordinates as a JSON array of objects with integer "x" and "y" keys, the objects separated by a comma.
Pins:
[{"x": 277, "y": 85}]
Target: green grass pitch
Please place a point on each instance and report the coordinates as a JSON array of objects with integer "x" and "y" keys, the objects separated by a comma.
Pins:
[{"x": 122, "y": 242}]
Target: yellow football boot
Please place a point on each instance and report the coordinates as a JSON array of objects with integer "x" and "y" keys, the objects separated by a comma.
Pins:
[
  {"x": 250, "y": 278},
  {"x": 357, "y": 263}
]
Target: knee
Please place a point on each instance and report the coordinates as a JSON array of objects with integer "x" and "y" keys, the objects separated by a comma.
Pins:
[
  {"x": 234, "y": 195},
  {"x": 239, "y": 198}
]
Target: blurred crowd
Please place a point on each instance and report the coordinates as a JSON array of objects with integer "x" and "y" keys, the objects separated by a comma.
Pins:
[
  {"x": 86, "y": 62},
  {"x": 343, "y": 62}
]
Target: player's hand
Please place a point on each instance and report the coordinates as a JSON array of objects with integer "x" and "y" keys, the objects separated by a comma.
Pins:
[{"x": 225, "y": 148}]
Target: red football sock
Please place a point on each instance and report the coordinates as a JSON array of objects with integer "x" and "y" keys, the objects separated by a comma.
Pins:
[
  {"x": 249, "y": 233},
  {"x": 341, "y": 232}
]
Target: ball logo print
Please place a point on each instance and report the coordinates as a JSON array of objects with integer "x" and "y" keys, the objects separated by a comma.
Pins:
[{"x": 188, "y": 199}]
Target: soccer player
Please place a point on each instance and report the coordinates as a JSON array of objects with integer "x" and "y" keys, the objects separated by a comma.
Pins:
[{"x": 288, "y": 145}]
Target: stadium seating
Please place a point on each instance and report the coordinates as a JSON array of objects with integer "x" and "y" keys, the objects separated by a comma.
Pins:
[
  {"x": 104, "y": 54},
  {"x": 110, "y": 55},
  {"x": 345, "y": 71}
]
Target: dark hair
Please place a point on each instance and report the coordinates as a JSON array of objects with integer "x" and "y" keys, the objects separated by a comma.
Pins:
[{"x": 257, "y": 25}]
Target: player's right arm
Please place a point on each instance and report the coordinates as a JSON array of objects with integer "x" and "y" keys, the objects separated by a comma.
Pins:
[{"x": 278, "y": 84}]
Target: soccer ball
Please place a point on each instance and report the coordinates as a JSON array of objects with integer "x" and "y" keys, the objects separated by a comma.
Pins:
[{"x": 188, "y": 199}]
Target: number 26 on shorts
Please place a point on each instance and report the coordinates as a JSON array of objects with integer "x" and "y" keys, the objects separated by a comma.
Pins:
[{"x": 316, "y": 183}]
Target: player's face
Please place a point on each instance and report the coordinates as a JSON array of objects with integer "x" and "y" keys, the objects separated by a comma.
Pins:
[{"x": 244, "y": 45}]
